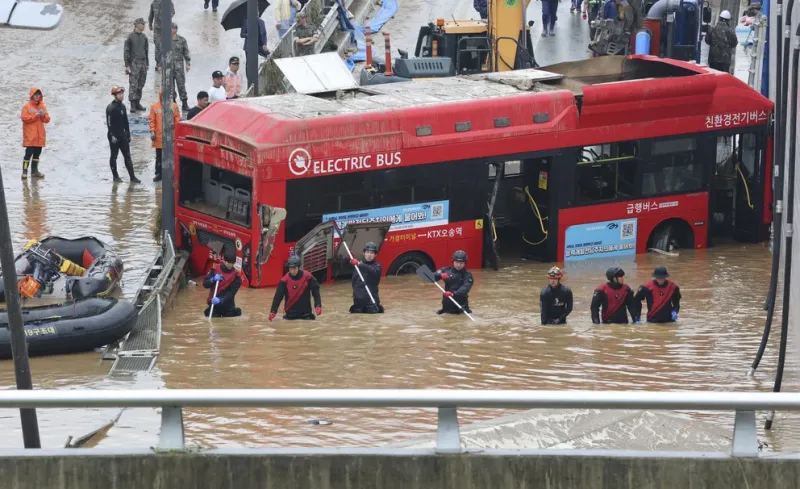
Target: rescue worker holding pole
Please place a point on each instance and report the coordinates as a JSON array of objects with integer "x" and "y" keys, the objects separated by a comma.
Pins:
[
  {"x": 457, "y": 283},
  {"x": 555, "y": 301},
  {"x": 613, "y": 297},
  {"x": 224, "y": 281},
  {"x": 663, "y": 297},
  {"x": 366, "y": 278},
  {"x": 298, "y": 287}
]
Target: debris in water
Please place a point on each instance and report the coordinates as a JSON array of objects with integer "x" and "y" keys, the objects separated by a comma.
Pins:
[{"x": 320, "y": 422}]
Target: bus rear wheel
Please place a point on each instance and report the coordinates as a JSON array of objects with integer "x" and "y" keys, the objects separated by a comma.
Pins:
[{"x": 409, "y": 263}]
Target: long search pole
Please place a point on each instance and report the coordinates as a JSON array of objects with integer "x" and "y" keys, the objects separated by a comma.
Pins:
[
  {"x": 358, "y": 270},
  {"x": 168, "y": 131},
  {"x": 253, "y": 49},
  {"x": 16, "y": 329}
]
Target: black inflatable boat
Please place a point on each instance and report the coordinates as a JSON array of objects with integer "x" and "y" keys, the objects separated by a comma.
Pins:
[
  {"x": 67, "y": 328},
  {"x": 64, "y": 284}
]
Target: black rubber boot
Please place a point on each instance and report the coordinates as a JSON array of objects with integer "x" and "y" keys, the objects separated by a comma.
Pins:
[
  {"x": 139, "y": 107},
  {"x": 185, "y": 106}
]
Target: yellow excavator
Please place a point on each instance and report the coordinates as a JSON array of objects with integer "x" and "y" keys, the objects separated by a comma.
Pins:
[{"x": 502, "y": 42}]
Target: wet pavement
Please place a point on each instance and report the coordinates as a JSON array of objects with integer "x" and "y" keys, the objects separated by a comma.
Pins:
[{"x": 408, "y": 347}]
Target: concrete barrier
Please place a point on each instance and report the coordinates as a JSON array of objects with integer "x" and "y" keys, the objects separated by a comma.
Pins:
[{"x": 381, "y": 469}]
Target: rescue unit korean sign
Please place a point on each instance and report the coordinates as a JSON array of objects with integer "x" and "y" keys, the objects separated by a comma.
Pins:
[{"x": 606, "y": 239}]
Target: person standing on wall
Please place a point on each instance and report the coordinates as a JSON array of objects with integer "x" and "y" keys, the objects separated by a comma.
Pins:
[
  {"x": 34, "y": 116},
  {"x": 156, "y": 128},
  {"x": 663, "y": 297},
  {"x": 227, "y": 276},
  {"x": 371, "y": 271},
  {"x": 722, "y": 41},
  {"x": 458, "y": 282},
  {"x": 232, "y": 81},
  {"x": 137, "y": 60},
  {"x": 613, "y": 297},
  {"x": 297, "y": 287},
  {"x": 119, "y": 134},
  {"x": 305, "y": 36},
  {"x": 555, "y": 300}
]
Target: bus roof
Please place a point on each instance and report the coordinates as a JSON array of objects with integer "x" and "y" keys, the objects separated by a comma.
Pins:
[{"x": 595, "y": 92}]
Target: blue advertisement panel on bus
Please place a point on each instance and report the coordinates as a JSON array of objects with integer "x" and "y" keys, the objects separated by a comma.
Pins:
[
  {"x": 600, "y": 239},
  {"x": 402, "y": 217}
]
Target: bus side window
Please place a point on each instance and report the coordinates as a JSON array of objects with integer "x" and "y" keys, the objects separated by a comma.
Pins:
[
  {"x": 671, "y": 168},
  {"x": 607, "y": 172}
]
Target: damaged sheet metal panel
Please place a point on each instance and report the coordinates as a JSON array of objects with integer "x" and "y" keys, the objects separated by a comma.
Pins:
[{"x": 317, "y": 73}]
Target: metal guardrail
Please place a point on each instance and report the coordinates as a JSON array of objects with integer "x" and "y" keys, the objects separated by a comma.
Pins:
[{"x": 172, "y": 402}]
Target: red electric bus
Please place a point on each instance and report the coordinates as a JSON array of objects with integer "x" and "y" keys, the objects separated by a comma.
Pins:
[{"x": 604, "y": 157}]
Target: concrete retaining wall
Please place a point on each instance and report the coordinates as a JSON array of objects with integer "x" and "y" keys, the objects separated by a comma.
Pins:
[{"x": 418, "y": 470}]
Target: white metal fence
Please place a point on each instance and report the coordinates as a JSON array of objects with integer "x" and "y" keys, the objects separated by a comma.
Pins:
[{"x": 172, "y": 403}]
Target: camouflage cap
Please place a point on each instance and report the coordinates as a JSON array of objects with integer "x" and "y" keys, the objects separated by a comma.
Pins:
[
  {"x": 138, "y": 21},
  {"x": 174, "y": 25},
  {"x": 302, "y": 14}
]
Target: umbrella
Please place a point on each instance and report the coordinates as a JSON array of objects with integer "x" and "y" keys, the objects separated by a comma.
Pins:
[{"x": 237, "y": 11}]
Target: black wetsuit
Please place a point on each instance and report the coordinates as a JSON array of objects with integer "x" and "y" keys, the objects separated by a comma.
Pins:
[
  {"x": 298, "y": 290},
  {"x": 616, "y": 300},
  {"x": 556, "y": 304},
  {"x": 228, "y": 287},
  {"x": 661, "y": 300},
  {"x": 459, "y": 283},
  {"x": 371, "y": 271},
  {"x": 119, "y": 137}
]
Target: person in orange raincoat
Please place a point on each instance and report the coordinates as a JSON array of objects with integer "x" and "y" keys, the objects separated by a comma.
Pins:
[
  {"x": 156, "y": 129},
  {"x": 34, "y": 117}
]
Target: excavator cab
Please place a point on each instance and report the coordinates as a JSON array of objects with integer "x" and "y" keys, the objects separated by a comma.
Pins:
[{"x": 466, "y": 43}]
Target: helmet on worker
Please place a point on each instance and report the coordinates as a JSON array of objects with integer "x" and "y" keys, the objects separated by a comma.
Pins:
[
  {"x": 459, "y": 259},
  {"x": 117, "y": 89},
  {"x": 370, "y": 251},
  {"x": 554, "y": 275},
  {"x": 615, "y": 274},
  {"x": 294, "y": 264},
  {"x": 660, "y": 274},
  {"x": 725, "y": 15}
]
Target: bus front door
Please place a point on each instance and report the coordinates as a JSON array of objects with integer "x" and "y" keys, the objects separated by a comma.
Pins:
[{"x": 749, "y": 201}]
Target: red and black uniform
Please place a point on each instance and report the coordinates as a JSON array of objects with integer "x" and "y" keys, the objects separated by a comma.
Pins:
[
  {"x": 228, "y": 287},
  {"x": 459, "y": 282},
  {"x": 662, "y": 300},
  {"x": 615, "y": 300},
  {"x": 298, "y": 290}
]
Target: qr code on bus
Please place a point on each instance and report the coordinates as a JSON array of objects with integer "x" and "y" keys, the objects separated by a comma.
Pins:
[
  {"x": 627, "y": 230},
  {"x": 437, "y": 211}
]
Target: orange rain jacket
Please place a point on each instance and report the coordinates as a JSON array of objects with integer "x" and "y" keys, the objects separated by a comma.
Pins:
[
  {"x": 33, "y": 133},
  {"x": 155, "y": 120}
]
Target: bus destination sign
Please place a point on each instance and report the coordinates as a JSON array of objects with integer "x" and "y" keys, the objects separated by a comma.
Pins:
[{"x": 301, "y": 163}]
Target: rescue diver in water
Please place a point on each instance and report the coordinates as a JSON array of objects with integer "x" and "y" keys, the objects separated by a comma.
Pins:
[
  {"x": 457, "y": 284},
  {"x": 229, "y": 280},
  {"x": 614, "y": 297},
  {"x": 556, "y": 299},
  {"x": 663, "y": 297},
  {"x": 371, "y": 271},
  {"x": 297, "y": 286}
]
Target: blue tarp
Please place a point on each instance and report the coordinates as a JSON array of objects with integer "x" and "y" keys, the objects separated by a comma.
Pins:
[{"x": 357, "y": 32}]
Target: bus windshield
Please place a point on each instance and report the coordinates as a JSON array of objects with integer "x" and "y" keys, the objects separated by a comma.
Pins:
[{"x": 215, "y": 191}]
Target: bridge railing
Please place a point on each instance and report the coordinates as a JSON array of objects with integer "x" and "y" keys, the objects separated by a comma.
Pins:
[{"x": 172, "y": 403}]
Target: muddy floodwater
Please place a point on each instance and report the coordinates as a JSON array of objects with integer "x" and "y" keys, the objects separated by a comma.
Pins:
[
  {"x": 711, "y": 348},
  {"x": 411, "y": 347}
]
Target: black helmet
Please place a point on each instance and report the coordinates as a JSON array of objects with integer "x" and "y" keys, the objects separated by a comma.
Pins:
[
  {"x": 294, "y": 261},
  {"x": 614, "y": 272},
  {"x": 660, "y": 272},
  {"x": 554, "y": 272},
  {"x": 460, "y": 255},
  {"x": 229, "y": 255},
  {"x": 371, "y": 246}
]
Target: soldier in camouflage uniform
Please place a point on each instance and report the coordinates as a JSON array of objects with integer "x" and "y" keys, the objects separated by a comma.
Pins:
[
  {"x": 136, "y": 63},
  {"x": 154, "y": 21},
  {"x": 722, "y": 39},
  {"x": 180, "y": 53},
  {"x": 305, "y": 36}
]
